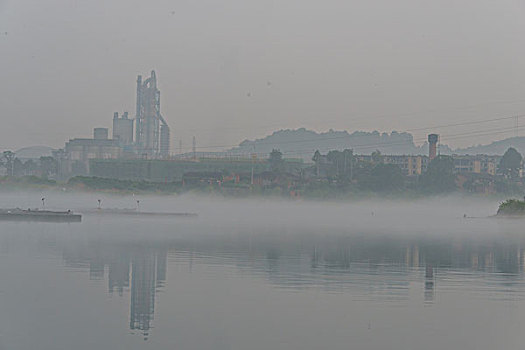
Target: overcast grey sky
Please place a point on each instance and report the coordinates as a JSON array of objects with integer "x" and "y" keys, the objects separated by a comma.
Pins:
[{"x": 235, "y": 69}]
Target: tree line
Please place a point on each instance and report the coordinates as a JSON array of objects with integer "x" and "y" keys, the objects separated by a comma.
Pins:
[
  {"x": 346, "y": 171},
  {"x": 45, "y": 166}
]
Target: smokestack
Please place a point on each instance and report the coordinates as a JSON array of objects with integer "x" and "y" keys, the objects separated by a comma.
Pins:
[{"x": 432, "y": 145}]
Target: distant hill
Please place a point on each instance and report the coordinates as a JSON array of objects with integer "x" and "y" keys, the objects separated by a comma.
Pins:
[
  {"x": 302, "y": 143},
  {"x": 496, "y": 147}
]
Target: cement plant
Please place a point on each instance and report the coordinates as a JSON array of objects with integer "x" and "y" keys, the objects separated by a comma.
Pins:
[{"x": 139, "y": 150}]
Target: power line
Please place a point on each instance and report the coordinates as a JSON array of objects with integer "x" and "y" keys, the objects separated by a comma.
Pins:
[
  {"x": 466, "y": 123},
  {"x": 276, "y": 143},
  {"x": 368, "y": 117},
  {"x": 371, "y": 146}
]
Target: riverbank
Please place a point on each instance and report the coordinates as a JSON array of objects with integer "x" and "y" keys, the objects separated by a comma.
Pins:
[{"x": 312, "y": 191}]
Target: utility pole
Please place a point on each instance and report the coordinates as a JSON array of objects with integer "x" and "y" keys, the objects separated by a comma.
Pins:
[{"x": 180, "y": 146}]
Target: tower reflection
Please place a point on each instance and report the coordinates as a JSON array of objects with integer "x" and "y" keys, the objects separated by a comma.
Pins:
[
  {"x": 429, "y": 283},
  {"x": 118, "y": 275},
  {"x": 141, "y": 270},
  {"x": 148, "y": 270}
]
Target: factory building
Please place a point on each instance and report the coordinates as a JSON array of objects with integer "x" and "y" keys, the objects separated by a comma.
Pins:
[
  {"x": 100, "y": 133},
  {"x": 409, "y": 165},
  {"x": 149, "y": 140},
  {"x": 152, "y": 135},
  {"x": 123, "y": 129},
  {"x": 480, "y": 164},
  {"x": 74, "y": 160}
]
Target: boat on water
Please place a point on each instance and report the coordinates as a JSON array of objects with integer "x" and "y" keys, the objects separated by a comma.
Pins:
[{"x": 18, "y": 214}]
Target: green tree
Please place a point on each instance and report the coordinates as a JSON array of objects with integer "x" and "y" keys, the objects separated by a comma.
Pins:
[
  {"x": 510, "y": 163},
  {"x": 48, "y": 166},
  {"x": 342, "y": 164},
  {"x": 8, "y": 159},
  {"x": 276, "y": 161},
  {"x": 18, "y": 167},
  {"x": 361, "y": 170},
  {"x": 384, "y": 178},
  {"x": 30, "y": 167},
  {"x": 317, "y": 159},
  {"x": 377, "y": 157},
  {"x": 439, "y": 177},
  {"x": 316, "y": 156}
]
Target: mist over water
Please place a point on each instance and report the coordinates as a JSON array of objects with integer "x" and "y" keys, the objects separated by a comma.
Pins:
[
  {"x": 292, "y": 99},
  {"x": 265, "y": 274}
]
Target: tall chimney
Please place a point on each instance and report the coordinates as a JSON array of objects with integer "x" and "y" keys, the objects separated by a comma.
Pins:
[{"x": 432, "y": 145}]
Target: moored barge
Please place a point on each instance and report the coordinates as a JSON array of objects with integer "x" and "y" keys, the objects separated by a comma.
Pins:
[{"x": 18, "y": 214}]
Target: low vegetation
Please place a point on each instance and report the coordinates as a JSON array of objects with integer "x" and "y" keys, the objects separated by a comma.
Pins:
[
  {"x": 26, "y": 181},
  {"x": 512, "y": 207},
  {"x": 116, "y": 185}
]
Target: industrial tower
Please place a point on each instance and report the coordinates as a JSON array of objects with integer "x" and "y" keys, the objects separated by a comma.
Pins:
[{"x": 152, "y": 133}]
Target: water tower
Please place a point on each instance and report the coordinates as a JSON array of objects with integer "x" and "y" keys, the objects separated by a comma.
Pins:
[{"x": 433, "y": 139}]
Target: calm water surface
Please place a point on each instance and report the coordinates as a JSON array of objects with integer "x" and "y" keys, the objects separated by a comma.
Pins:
[{"x": 263, "y": 275}]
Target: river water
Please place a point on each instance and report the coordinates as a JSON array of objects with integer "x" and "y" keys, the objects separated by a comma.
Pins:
[{"x": 263, "y": 275}]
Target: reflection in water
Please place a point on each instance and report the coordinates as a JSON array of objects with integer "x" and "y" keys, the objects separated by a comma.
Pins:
[
  {"x": 148, "y": 268},
  {"x": 148, "y": 271},
  {"x": 162, "y": 266},
  {"x": 118, "y": 275},
  {"x": 370, "y": 267},
  {"x": 429, "y": 283},
  {"x": 142, "y": 292}
]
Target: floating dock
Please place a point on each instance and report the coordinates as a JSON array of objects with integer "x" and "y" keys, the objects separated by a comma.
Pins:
[
  {"x": 133, "y": 212},
  {"x": 39, "y": 215}
]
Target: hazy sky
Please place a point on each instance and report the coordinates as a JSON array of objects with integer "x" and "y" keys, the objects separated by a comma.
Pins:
[{"x": 235, "y": 69}]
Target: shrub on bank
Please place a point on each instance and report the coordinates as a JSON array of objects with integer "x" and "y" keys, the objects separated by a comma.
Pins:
[{"x": 512, "y": 207}]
